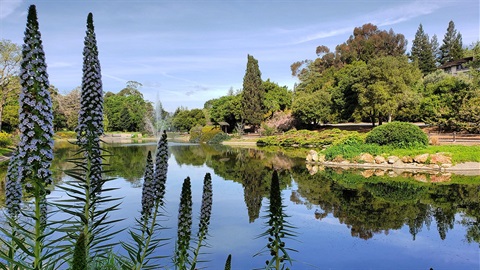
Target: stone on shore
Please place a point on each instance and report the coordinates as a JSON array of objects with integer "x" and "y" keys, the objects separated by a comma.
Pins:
[
  {"x": 439, "y": 158},
  {"x": 380, "y": 160},
  {"x": 421, "y": 158},
  {"x": 367, "y": 158},
  {"x": 392, "y": 159}
]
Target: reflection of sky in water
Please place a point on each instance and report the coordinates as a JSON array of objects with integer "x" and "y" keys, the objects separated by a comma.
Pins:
[{"x": 322, "y": 244}]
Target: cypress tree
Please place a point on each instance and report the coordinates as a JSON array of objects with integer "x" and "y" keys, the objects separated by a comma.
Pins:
[
  {"x": 451, "y": 48},
  {"x": 422, "y": 52},
  {"x": 253, "y": 93}
]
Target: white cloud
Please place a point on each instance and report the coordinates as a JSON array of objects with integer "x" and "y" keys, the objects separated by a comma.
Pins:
[{"x": 7, "y": 7}]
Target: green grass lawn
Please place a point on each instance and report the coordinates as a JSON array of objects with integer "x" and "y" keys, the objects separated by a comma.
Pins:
[{"x": 459, "y": 153}]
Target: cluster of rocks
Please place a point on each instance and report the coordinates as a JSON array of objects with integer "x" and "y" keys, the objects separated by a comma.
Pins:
[{"x": 438, "y": 161}]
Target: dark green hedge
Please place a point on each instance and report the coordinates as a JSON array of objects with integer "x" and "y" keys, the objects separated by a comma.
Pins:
[{"x": 398, "y": 134}]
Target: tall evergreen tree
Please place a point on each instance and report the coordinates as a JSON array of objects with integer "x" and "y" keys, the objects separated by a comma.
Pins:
[
  {"x": 253, "y": 93},
  {"x": 451, "y": 48},
  {"x": 422, "y": 52},
  {"x": 435, "y": 49}
]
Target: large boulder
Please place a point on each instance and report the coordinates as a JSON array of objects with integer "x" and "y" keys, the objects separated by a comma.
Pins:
[
  {"x": 440, "y": 158},
  {"x": 367, "y": 158},
  {"x": 407, "y": 159},
  {"x": 380, "y": 160},
  {"x": 392, "y": 159}
]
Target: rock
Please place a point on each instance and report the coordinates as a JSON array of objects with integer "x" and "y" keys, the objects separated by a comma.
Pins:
[
  {"x": 321, "y": 158},
  {"x": 312, "y": 156},
  {"x": 367, "y": 158},
  {"x": 338, "y": 159},
  {"x": 367, "y": 173},
  {"x": 421, "y": 158},
  {"x": 379, "y": 160},
  {"x": 446, "y": 165},
  {"x": 392, "y": 159},
  {"x": 446, "y": 177},
  {"x": 420, "y": 177},
  {"x": 439, "y": 158},
  {"x": 407, "y": 159},
  {"x": 398, "y": 163},
  {"x": 379, "y": 172}
]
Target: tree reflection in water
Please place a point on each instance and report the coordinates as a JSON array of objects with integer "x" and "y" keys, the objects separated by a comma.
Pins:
[{"x": 368, "y": 206}]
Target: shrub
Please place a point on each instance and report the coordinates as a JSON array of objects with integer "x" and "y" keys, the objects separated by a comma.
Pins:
[
  {"x": 398, "y": 134},
  {"x": 207, "y": 134},
  {"x": 5, "y": 139},
  {"x": 218, "y": 138}
]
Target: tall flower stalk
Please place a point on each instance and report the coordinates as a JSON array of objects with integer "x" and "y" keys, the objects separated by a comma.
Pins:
[
  {"x": 182, "y": 257},
  {"x": 144, "y": 236},
  {"x": 33, "y": 156},
  {"x": 86, "y": 190},
  {"x": 205, "y": 214},
  {"x": 184, "y": 229}
]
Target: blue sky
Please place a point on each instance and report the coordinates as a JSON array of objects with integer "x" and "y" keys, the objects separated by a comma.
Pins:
[{"x": 189, "y": 51}]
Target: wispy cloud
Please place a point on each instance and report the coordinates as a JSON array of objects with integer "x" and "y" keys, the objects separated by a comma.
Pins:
[{"x": 7, "y": 7}]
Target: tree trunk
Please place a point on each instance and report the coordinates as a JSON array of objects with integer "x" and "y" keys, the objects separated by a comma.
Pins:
[{"x": 389, "y": 118}]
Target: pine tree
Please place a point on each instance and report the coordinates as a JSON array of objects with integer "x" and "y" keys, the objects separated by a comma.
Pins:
[
  {"x": 422, "y": 52},
  {"x": 253, "y": 93},
  {"x": 451, "y": 48},
  {"x": 435, "y": 49}
]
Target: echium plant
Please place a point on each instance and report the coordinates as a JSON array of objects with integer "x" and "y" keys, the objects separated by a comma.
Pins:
[
  {"x": 182, "y": 257},
  {"x": 184, "y": 229},
  {"x": 87, "y": 201},
  {"x": 144, "y": 235},
  {"x": 33, "y": 157},
  {"x": 278, "y": 229}
]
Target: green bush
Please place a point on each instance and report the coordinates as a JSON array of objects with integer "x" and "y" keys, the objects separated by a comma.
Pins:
[
  {"x": 218, "y": 138},
  {"x": 5, "y": 139},
  {"x": 207, "y": 134},
  {"x": 307, "y": 138},
  {"x": 398, "y": 134}
]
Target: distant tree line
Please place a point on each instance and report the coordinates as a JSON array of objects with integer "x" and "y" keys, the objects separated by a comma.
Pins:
[{"x": 369, "y": 77}]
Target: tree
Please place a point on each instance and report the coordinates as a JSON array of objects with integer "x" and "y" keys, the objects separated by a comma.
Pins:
[
  {"x": 312, "y": 109},
  {"x": 451, "y": 48},
  {"x": 225, "y": 109},
  {"x": 184, "y": 119},
  {"x": 385, "y": 84},
  {"x": 435, "y": 49},
  {"x": 422, "y": 53},
  {"x": 368, "y": 42},
  {"x": 253, "y": 94},
  {"x": 10, "y": 56},
  {"x": 277, "y": 98}
]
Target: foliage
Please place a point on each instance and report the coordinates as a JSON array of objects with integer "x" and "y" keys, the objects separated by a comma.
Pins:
[
  {"x": 207, "y": 134},
  {"x": 422, "y": 52},
  {"x": 451, "y": 48},
  {"x": 127, "y": 110},
  {"x": 10, "y": 56},
  {"x": 312, "y": 109},
  {"x": 305, "y": 138},
  {"x": 184, "y": 119},
  {"x": 399, "y": 134},
  {"x": 351, "y": 149},
  {"x": 276, "y": 98},
  {"x": 253, "y": 94},
  {"x": 5, "y": 139},
  {"x": 66, "y": 134}
]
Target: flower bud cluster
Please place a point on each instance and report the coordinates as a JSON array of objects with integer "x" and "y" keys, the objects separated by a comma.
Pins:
[
  {"x": 13, "y": 186},
  {"x": 35, "y": 149},
  {"x": 90, "y": 116},
  {"x": 184, "y": 220},
  {"x": 206, "y": 209},
  {"x": 161, "y": 167},
  {"x": 148, "y": 190}
]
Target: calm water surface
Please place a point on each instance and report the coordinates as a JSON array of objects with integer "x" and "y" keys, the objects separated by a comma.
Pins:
[{"x": 342, "y": 220}]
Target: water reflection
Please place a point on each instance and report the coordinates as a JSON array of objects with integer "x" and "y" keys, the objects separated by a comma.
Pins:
[
  {"x": 367, "y": 208},
  {"x": 383, "y": 204}
]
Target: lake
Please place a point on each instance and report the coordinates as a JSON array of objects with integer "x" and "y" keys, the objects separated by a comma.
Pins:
[{"x": 342, "y": 220}]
